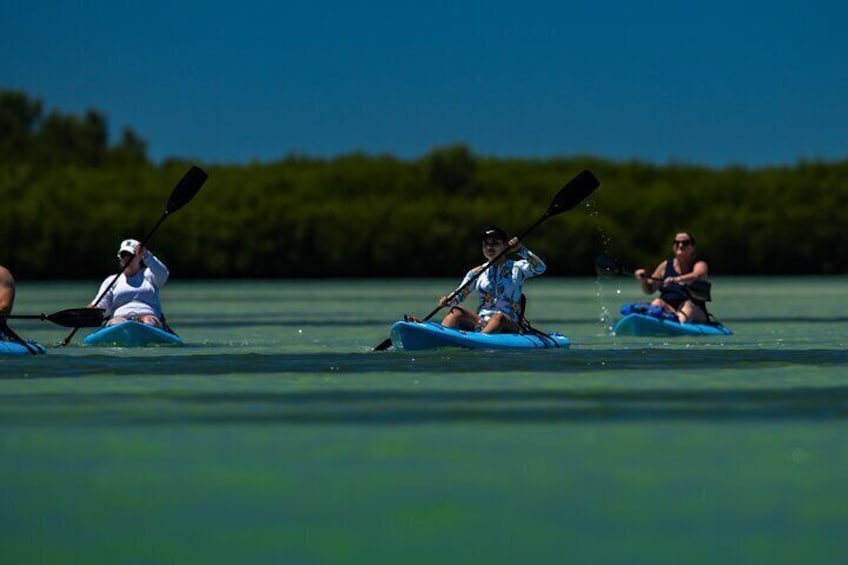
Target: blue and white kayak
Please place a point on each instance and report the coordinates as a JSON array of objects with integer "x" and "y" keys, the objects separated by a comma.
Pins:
[
  {"x": 15, "y": 348},
  {"x": 647, "y": 325},
  {"x": 412, "y": 336},
  {"x": 131, "y": 334}
]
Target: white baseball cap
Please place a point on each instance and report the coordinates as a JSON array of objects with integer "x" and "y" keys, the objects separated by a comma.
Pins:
[{"x": 128, "y": 246}]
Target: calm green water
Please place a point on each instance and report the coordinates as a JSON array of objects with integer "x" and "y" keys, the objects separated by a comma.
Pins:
[{"x": 275, "y": 435}]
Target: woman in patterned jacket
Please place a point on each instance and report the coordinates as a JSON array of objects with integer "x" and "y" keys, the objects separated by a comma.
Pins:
[{"x": 499, "y": 287}]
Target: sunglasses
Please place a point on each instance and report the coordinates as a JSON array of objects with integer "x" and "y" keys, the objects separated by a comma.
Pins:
[
  {"x": 125, "y": 255},
  {"x": 682, "y": 242}
]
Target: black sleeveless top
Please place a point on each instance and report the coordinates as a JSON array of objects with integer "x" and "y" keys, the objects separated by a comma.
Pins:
[{"x": 676, "y": 294}]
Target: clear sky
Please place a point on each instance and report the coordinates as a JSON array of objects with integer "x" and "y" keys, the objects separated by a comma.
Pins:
[{"x": 716, "y": 83}]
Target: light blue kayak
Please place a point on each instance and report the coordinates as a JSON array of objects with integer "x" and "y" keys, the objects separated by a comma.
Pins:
[
  {"x": 412, "y": 336},
  {"x": 15, "y": 348},
  {"x": 647, "y": 325},
  {"x": 131, "y": 334}
]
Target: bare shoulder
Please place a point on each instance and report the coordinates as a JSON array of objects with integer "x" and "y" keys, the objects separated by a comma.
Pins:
[
  {"x": 6, "y": 278},
  {"x": 7, "y": 290}
]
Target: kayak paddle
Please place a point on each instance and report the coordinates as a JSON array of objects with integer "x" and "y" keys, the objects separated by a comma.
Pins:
[
  {"x": 573, "y": 193},
  {"x": 70, "y": 318},
  {"x": 180, "y": 196},
  {"x": 606, "y": 266}
]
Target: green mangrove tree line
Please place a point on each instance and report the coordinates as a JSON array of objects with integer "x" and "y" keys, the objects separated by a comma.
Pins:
[{"x": 68, "y": 197}]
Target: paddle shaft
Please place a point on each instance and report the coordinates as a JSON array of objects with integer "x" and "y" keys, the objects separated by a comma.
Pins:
[
  {"x": 5, "y": 329},
  {"x": 643, "y": 277},
  {"x": 689, "y": 287},
  {"x": 41, "y": 317},
  {"x": 612, "y": 266}
]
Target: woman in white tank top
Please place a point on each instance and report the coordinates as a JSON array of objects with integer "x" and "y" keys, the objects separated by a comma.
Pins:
[{"x": 135, "y": 294}]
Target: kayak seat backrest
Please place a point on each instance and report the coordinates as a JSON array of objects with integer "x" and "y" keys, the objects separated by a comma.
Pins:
[
  {"x": 523, "y": 323},
  {"x": 700, "y": 290}
]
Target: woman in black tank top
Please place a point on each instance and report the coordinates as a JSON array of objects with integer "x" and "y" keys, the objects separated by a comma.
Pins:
[{"x": 671, "y": 277}]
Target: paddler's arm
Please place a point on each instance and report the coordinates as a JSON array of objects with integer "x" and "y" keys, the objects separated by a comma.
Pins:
[
  {"x": 157, "y": 268},
  {"x": 532, "y": 265},
  {"x": 699, "y": 272},
  {"x": 650, "y": 284},
  {"x": 7, "y": 291},
  {"x": 466, "y": 289}
]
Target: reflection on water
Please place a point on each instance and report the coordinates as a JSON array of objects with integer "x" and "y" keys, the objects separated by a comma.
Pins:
[
  {"x": 386, "y": 407},
  {"x": 591, "y": 385},
  {"x": 289, "y": 351},
  {"x": 200, "y": 321},
  {"x": 174, "y": 361}
]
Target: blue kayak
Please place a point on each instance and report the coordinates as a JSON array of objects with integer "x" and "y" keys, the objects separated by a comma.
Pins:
[
  {"x": 15, "y": 348},
  {"x": 647, "y": 325},
  {"x": 412, "y": 336},
  {"x": 131, "y": 334}
]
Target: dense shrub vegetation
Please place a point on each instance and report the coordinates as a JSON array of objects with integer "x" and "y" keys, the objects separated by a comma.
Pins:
[{"x": 68, "y": 197}]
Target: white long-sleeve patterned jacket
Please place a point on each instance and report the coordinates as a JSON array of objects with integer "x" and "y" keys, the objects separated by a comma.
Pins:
[{"x": 499, "y": 287}]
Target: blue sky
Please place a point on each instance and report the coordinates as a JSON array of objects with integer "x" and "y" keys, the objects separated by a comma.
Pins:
[{"x": 725, "y": 82}]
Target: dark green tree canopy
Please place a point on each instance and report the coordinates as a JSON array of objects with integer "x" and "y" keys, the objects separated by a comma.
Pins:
[
  {"x": 54, "y": 140},
  {"x": 68, "y": 196}
]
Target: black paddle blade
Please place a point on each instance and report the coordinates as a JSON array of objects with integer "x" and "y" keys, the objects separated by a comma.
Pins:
[
  {"x": 78, "y": 317},
  {"x": 185, "y": 190},
  {"x": 573, "y": 193}
]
